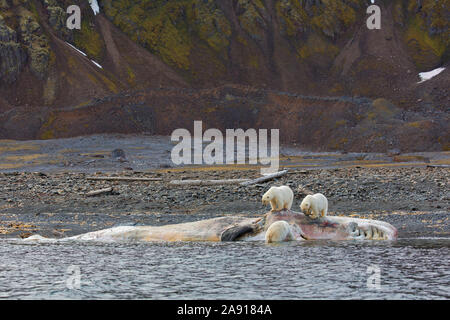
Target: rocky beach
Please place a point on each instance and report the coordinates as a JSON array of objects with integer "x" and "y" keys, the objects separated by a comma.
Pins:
[{"x": 55, "y": 202}]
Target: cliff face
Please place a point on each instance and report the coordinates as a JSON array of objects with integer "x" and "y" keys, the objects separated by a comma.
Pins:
[
  {"x": 318, "y": 48},
  {"x": 40, "y": 69},
  {"x": 284, "y": 44}
]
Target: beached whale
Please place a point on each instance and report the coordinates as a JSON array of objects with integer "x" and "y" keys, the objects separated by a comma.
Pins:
[{"x": 238, "y": 228}]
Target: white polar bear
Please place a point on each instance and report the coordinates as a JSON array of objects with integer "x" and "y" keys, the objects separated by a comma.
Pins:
[
  {"x": 279, "y": 231},
  {"x": 279, "y": 197},
  {"x": 315, "y": 206}
]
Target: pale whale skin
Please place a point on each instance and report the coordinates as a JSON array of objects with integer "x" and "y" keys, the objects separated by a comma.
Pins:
[
  {"x": 335, "y": 227},
  {"x": 245, "y": 229}
]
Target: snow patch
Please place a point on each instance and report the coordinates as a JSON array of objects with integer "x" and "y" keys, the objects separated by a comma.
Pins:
[
  {"x": 84, "y": 54},
  {"x": 94, "y": 6},
  {"x": 96, "y": 64},
  {"x": 424, "y": 76}
]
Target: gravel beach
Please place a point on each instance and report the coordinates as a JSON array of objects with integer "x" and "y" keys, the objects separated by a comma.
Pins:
[{"x": 414, "y": 199}]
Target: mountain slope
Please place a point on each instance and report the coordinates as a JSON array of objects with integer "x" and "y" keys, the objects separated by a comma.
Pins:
[
  {"x": 149, "y": 50},
  {"x": 56, "y": 74}
]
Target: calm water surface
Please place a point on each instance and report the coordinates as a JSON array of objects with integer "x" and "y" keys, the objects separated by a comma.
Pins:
[{"x": 409, "y": 269}]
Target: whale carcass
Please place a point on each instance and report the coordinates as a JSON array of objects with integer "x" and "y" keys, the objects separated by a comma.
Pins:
[{"x": 238, "y": 228}]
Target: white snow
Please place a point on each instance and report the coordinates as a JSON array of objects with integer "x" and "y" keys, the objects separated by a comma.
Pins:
[
  {"x": 94, "y": 6},
  {"x": 424, "y": 76},
  {"x": 96, "y": 64},
  {"x": 84, "y": 54}
]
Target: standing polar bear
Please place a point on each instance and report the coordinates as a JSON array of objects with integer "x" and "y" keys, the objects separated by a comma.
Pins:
[
  {"x": 279, "y": 197},
  {"x": 315, "y": 206}
]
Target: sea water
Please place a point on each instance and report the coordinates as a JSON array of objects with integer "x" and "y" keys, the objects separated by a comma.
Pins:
[{"x": 402, "y": 269}]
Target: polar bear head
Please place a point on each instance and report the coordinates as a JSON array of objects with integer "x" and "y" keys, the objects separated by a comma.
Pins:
[
  {"x": 305, "y": 206},
  {"x": 268, "y": 196}
]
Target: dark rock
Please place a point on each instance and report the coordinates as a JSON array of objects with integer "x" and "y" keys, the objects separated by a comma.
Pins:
[
  {"x": 37, "y": 45},
  {"x": 12, "y": 56},
  {"x": 393, "y": 152},
  {"x": 118, "y": 153}
]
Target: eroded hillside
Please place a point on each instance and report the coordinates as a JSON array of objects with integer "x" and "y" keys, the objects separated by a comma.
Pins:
[{"x": 147, "y": 51}]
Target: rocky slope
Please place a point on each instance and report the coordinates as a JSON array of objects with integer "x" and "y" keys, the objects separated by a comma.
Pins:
[{"x": 308, "y": 67}]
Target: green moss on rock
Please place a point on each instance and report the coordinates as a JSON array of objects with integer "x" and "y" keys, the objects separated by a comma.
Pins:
[
  {"x": 89, "y": 40},
  {"x": 425, "y": 50},
  {"x": 250, "y": 18},
  {"x": 12, "y": 56},
  {"x": 427, "y": 34},
  {"x": 210, "y": 24},
  {"x": 36, "y": 43}
]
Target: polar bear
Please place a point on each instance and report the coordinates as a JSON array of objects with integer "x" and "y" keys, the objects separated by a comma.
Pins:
[
  {"x": 279, "y": 231},
  {"x": 315, "y": 205},
  {"x": 279, "y": 197}
]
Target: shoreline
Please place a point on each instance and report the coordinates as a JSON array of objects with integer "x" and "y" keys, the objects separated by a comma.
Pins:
[
  {"x": 43, "y": 186},
  {"x": 145, "y": 153},
  {"x": 413, "y": 199}
]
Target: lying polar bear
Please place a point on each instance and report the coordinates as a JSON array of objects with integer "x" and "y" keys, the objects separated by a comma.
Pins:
[
  {"x": 280, "y": 231},
  {"x": 315, "y": 205},
  {"x": 279, "y": 197}
]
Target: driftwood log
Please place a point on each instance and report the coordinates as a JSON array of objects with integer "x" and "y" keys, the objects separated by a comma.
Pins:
[
  {"x": 265, "y": 178},
  {"x": 99, "y": 192},
  {"x": 123, "y": 179},
  {"x": 206, "y": 182}
]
